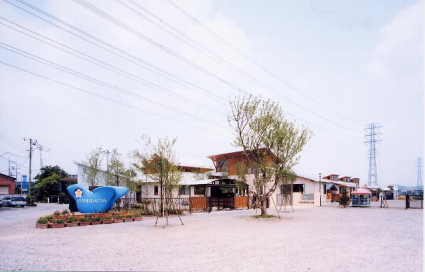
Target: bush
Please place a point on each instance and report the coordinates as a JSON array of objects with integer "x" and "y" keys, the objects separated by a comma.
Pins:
[
  {"x": 56, "y": 213},
  {"x": 117, "y": 216},
  {"x": 344, "y": 201},
  {"x": 49, "y": 217},
  {"x": 58, "y": 221},
  {"x": 107, "y": 217},
  {"x": 65, "y": 212},
  {"x": 96, "y": 219},
  {"x": 137, "y": 214},
  {"x": 85, "y": 219},
  {"x": 42, "y": 220},
  {"x": 71, "y": 220},
  {"x": 128, "y": 216}
]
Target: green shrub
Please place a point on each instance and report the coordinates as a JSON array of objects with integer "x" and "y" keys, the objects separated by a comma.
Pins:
[
  {"x": 107, "y": 217},
  {"x": 42, "y": 220},
  {"x": 65, "y": 212},
  {"x": 85, "y": 219},
  {"x": 56, "y": 213},
  {"x": 137, "y": 214},
  {"x": 128, "y": 216},
  {"x": 88, "y": 216},
  {"x": 58, "y": 221},
  {"x": 49, "y": 217},
  {"x": 71, "y": 220},
  {"x": 97, "y": 218},
  {"x": 117, "y": 216}
]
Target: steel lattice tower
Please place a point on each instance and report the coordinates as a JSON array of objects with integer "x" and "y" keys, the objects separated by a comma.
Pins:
[
  {"x": 372, "y": 139},
  {"x": 419, "y": 184}
]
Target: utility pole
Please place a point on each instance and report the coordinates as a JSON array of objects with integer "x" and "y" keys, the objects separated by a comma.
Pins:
[
  {"x": 32, "y": 142},
  {"x": 320, "y": 188},
  {"x": 372, "y": 139},
  {"x": 41, "y": 149},
  {"x": 420, "y": 166}
]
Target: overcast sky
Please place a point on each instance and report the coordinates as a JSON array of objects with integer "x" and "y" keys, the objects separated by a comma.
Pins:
[{"x": 76, "y": 75}]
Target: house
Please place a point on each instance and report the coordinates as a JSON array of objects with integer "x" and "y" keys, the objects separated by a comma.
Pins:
[
  {"x": 7, "y": 184},
  {"x": 304, "y": 190},
  {"x": 335, "y": 186}
]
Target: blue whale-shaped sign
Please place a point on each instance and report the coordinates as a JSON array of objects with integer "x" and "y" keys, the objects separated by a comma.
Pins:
[{"x": 100, "y": 200}]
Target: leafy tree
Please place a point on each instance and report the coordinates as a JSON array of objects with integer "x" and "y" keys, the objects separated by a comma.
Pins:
[
  {"x": 47, "y": 171},
  {"x": 48, "y": 186},
  {"x": 270, "y": 143},
  {"x": 116, "y": 171},
  {"x": 159, "y": 163},
  {"x": 93, "y": 164}
]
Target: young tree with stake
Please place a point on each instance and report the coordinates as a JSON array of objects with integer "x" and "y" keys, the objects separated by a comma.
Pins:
[{"x": 270, "y": 143}]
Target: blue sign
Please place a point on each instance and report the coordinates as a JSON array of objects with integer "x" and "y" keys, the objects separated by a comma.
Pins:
[
  {"x": 24, "y": 182},
  {"x": 100, "y": 200}
]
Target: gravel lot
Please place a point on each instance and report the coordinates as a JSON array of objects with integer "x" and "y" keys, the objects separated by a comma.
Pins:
[{"x": 311, "y": 239}]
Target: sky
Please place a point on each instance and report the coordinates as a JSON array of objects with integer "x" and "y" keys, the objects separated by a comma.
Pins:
[{"x": 75, "y": 75}]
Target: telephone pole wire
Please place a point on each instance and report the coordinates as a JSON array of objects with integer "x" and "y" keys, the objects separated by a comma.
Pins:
[{"x": 372, "y": 138}]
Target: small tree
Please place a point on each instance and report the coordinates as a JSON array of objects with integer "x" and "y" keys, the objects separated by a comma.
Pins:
[
  {"x": 270, "y": 143},
  {"x": 92, "y": 166},
  {"x": 115, "y": 174},
  {"x": 344, "y": 200},
  {"x": 160, "y": 164}
]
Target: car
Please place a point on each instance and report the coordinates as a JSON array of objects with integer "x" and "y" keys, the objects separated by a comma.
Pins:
[{"x": 13, "y": 201}]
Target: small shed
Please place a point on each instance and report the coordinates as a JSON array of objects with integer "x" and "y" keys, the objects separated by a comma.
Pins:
[{"x": 361, "y": 197}]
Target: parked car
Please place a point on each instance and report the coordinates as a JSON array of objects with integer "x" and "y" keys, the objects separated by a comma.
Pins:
[{"x": 13, "y": 201}]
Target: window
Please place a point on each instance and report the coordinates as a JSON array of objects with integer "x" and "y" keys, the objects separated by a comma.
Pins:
[
  {"x": 184, "y": 190},
  {"x": 298, "y": 188},
  {"x": 155, "y": 190},
  {"x": 285, "y": 189},
  {"x": 199, "y": 190}
]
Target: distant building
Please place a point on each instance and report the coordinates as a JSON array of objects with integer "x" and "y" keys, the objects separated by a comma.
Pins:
[{"x": 7, "y": 184}]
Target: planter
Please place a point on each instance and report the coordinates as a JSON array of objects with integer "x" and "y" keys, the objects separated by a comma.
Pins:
[
  {"x": 107, "y": 221},
  {"x": 56, "y": 226},
  {"x": 41, "y": 226},
  {"x": 138, "y": 218},
  {"x": 82, "y": 224},
  {"x": 118, "y": 220},
  {"x": 75, "y": 224},
  {"x": 95, "y": 222}
]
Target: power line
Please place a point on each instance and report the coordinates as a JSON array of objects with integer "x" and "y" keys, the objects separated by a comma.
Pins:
[
  {"x": 252, "y": 60},
  {"x": 102, "y": 83},
  {"x": 140, "y": 35},
  {"x": 204, "y": 50},
  {"x": 102, "y": 64},
  {"x": 108, "y": 50},
  {"x": 106, "y": 98},
  {"x": 154, "y": 69}
]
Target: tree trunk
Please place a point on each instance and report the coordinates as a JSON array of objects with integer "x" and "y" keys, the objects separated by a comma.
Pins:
[{"x": 263, "y": 206}]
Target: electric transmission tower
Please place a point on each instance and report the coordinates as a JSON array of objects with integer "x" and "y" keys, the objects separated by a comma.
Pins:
[
  {"x": 372, "y": 138},
  {"x": 419, "y": 184}
]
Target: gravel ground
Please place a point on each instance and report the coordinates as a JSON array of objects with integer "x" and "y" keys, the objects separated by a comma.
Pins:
[{"x": 311, "y": 239}]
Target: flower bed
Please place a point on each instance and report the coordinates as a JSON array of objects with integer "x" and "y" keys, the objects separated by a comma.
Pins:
[{"x": 67, "y": 219}]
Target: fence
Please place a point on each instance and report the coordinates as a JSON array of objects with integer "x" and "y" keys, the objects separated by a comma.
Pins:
[{"x": 414, "y": 201}]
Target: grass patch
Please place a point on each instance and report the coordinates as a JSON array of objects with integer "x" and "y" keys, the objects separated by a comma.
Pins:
[{"x": 265, "y": 216}]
